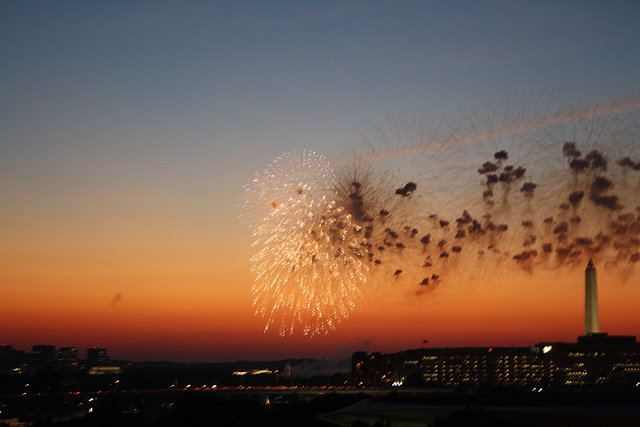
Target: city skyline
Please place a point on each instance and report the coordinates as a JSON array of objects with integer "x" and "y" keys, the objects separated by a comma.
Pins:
[{"x": 128, "y": 132}]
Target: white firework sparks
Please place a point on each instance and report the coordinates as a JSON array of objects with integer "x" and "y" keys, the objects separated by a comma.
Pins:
[{"x": 310, "y": 266}]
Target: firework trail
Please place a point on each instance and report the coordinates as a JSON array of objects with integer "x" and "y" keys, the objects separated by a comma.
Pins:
[{"x": 453, "y": 141}]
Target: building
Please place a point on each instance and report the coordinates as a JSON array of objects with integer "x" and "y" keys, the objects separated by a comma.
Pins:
[
  {"x": 375, "y": 369},
  {"x": 10, "y": 359},
  {"x": 98, "y": 356},
  {"x": 597, "y": 359},
  {"x": 41, "y": 356},
  {"x": 453, "y": 367},
  {"x": 67, "y": 356}
]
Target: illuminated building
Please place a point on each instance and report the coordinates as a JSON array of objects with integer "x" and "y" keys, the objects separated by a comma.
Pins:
[
  {"x": 105, "y": 370},
  {"x": 67, "y": 356},
  {"x": 610, "y": 360},
  {"x": 453, "y": 367},
  {"x": 597, "y": 359}
]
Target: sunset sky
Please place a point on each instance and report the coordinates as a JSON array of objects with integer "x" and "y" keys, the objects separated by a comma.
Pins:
[{"x": 128, "y": 130}]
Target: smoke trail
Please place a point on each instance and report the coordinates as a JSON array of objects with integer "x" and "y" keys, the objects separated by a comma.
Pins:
[
  {"x": 553, "y": 189},
  {"x": 614, "y": 107}
]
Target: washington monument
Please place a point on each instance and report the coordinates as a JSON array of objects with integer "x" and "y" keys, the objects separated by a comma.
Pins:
[{"x": 591, "y": 318}]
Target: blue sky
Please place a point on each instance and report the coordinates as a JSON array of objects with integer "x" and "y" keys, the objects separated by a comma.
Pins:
[{"x": 180, "y": 74}]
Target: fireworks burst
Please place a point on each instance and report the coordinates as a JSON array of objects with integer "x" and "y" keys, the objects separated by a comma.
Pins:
[
  {"x": 533, "y": 193},
  {"x": 310, "y": 265}
]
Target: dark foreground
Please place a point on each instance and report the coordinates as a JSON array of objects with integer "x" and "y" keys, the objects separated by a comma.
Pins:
[{"x": 325, "y": 407}]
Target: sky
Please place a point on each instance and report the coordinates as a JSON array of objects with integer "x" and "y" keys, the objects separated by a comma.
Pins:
[{"x": 128, "y": 131}]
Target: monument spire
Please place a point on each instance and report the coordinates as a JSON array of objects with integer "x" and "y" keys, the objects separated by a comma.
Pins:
[{"x": 591, "y": 317}]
